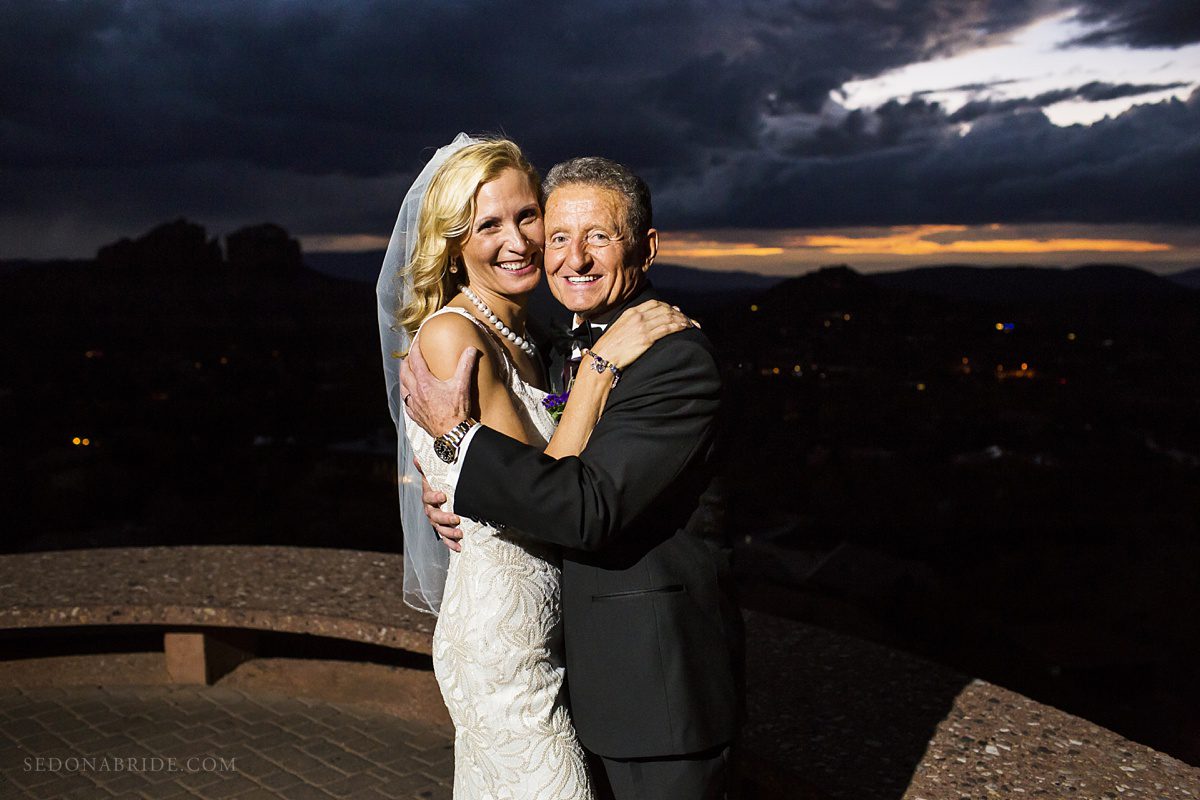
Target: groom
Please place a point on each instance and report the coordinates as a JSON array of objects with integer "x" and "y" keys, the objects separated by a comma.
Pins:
[{"x": 653, "y": 634}]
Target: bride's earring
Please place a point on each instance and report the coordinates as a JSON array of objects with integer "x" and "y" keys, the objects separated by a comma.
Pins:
[{"x": 454, "y": 267}]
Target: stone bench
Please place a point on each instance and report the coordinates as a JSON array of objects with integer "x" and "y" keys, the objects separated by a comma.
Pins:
[{"x": 211, "y": 601}]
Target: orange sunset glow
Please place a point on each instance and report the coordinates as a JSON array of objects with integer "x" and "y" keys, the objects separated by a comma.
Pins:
[
  {"x": 687, "y": 248},
  {"x": 797, "y": 250},
  {"x": 917, "y": 241}
]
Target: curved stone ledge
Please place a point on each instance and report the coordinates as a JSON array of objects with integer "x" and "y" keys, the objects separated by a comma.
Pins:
[
  {"x": 836, "y": 717},
  {"x": 344, "y": 594},
  {"x": 828, "y": 716}
]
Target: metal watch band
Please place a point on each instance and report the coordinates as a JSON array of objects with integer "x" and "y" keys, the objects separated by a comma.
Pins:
[
  {"x": 460, "y": 430},
  {"x": 446, "y": 445}
]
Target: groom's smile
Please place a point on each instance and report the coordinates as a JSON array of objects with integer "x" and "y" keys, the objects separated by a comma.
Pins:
[{"x": 592, "y": 265}]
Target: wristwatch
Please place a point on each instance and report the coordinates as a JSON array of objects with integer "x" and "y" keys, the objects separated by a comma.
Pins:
[{"x": 446, "y": 445}]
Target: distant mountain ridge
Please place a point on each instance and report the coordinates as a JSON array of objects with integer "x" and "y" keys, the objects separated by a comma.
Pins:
[
  {"x": 1026, "y": 283},
  {"x": 1189, "y": 278},
  {"x": 710, "y": 289},
  {"x": 354, "y": 266}
]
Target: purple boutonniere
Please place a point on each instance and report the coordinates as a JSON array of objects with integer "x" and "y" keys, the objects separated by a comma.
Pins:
[{"x": 555, "y": 403}]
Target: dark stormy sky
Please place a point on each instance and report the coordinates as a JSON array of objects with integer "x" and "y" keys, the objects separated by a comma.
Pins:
[{"x": 775, "y": 135}]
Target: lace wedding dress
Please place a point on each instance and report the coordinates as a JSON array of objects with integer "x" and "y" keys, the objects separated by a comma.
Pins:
[{"x": 497, "y": 646}]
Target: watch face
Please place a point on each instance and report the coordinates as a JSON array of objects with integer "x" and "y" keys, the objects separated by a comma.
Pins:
[{"x": 445, "y": 451}]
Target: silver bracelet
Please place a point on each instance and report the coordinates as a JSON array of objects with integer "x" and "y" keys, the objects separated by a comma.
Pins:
[{"x": 602, "y": 365}]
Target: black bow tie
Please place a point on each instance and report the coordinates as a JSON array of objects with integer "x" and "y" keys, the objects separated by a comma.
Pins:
[{"x": 586, "y": 334}]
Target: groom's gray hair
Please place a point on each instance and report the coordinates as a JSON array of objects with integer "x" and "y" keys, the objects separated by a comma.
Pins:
[{"x": 606, "y": 174}]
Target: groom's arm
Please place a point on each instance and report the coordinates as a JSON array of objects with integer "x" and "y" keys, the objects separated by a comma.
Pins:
[{"x": 660, "y": 420}]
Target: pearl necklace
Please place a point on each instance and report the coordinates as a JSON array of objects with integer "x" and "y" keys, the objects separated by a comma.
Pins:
[{"x": 525, "y": 345}]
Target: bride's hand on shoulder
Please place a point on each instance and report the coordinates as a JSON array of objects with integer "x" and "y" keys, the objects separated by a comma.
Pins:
[
  {"x": 639, "y": 327},
  {"x": 623, "y": 342}
]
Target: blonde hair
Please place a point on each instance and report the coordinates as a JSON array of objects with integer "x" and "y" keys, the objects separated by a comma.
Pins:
[{"x": 445, "y": 220}]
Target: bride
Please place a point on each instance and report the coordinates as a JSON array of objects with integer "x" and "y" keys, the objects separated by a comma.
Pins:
[{"x": 464, "y": 257}]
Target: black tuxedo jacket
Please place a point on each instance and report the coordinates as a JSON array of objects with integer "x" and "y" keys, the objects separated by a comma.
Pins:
[{"x": 653, "y": 633}]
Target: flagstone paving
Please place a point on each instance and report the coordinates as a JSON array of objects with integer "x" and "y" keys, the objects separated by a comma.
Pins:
[{"x": 164, "y": 742}]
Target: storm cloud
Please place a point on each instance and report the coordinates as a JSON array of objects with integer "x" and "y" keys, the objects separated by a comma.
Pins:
[
  {"x": 315, "y": 114},
  {"x": 1095, "y": 91},
  {"x": 1142, "y": 23},
  {"x": 912, "y": 166}
]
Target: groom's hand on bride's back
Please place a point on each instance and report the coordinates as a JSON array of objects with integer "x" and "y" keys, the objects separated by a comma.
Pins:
[
  {"x": 437, "y": 405},
  {"x": 445, "y": 523}
]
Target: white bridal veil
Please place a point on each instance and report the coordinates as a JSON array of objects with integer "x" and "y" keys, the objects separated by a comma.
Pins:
[{"x": 426, "y": 559}]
